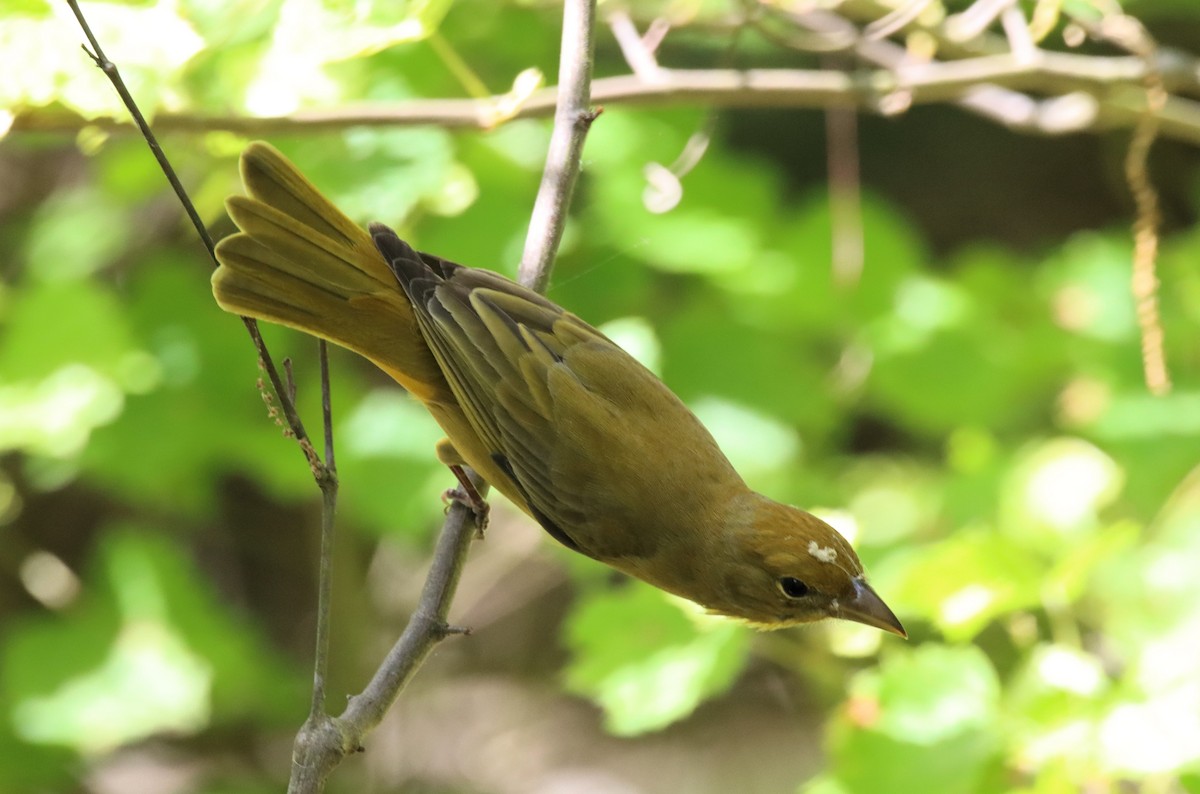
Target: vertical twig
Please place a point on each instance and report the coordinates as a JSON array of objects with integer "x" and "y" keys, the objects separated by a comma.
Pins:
[
  {"x": 845, "y": 194},
  {"x": 96, "y": 53},
  {"x": 573, "y": 117},
  {"x": 329, "y": 493},
  {"x": 637, "y": 54},
  {"x": 1144, "y": 280},
  {"x": 1128, "y": 32},
  {"x": 324, "y": 741},
  {"x": 325, "y": 474}
]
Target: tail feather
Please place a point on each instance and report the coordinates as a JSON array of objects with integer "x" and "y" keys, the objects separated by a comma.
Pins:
[
  {"x": 304, "y": 252},
  {"x": 300, "y": 262},
  {"x": 271, "y": 178}
]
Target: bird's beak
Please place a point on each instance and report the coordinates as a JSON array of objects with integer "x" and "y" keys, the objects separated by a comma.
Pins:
[{"x": 864, "y": 606}]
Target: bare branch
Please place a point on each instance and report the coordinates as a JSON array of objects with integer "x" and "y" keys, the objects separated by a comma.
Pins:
[
  {"x": 896, "y": 20},
  {"x": 282, "y": 391},
  {"x": 1049, "y": 73},
  {"x": 1129, "y": 33},
  {"x": 640, "y": 58},
  {"x": 324, "y": 741},
  {"x": 329, "y": 493},
  {"x": 976, "y": 19},
  {"x": 1016, "y": 28},
  {"x": 572, "y": 120}
]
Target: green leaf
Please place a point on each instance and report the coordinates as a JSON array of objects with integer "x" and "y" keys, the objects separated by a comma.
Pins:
[
  {"x": 1055, "y": 492},
  {"x": 964, "y": 582},
  {"x": 75, "y": 234},
  {"x": 923, "y": 722},
  {"x": 149, "y": 649},
  {"x": 50, "y": 325},
  {"x": 645, "y": 661},
  {"x": 66, "y": 360}
]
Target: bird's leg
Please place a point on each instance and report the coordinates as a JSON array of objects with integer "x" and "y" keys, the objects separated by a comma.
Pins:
[{"x": 467, "y": 494}]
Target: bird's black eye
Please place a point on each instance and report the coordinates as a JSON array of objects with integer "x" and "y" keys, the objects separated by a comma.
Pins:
[{"x": 792, "y": 587}]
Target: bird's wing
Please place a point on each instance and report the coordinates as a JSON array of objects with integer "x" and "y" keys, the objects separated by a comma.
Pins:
[{"x": 554, "y": 400}]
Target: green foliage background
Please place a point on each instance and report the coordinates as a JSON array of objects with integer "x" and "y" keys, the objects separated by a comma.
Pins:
[{"x": 971, "y": 409}]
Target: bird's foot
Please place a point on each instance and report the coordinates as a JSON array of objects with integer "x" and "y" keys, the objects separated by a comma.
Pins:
[{"x": 467, "y": 494}]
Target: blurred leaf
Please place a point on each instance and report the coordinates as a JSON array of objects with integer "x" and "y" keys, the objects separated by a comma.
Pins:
[
  {"x": 645, "y": 661},
  {"x": 148, "y": 650},
  {"x": 952, "y": 378},
  {"x": 935, "y": 693},
  {"x": 757, "y": 445},
  {"x": 75, "y": 234},
  {"x": 716, "y": 226},
  {"x": 1054, "y": 700},
  {"x": 757, "y": 369},
  {"x": 1089, "y": 280},
  {"x": 1155, "y": 736},
  {"x": 53, "y": 324},
  {"x": 1055, "y": 491},
  {"x": 55, "y": 417},
  {"x": 920, "y": 723},
  {"x": 811, "y": 300},
  {"x": 964, "y": 582},
  {"x": 1141, "y": 415},
  {"x": 1151, "y": 599},
  {"x": 31, "y": 767},
  {"x": 66, "y": 358}
]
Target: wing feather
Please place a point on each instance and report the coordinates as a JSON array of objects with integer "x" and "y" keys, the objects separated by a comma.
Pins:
[{"x": 565, "y": 414}]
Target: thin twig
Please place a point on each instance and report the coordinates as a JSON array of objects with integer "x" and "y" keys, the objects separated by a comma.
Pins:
[
  {"x": 1051, "y": 73},
  {"x": 898, "y": 19},
  {"x": 976, "y": 19},
  {"x": 326, "y": 406},
  {"x": 285, "y": 392},
  {"x": 324, "y": 741},
  {"x": 845, "y": 195},
  {"x": 427, "y": 626},
  {"x": 96, "y": 53},
  {"x": 1016, "y": 30},
  {"x": 1129, "y": 33},
  {"x": 329, "y": 494},
  {"x": 639, "y": 57},
  {"x": 572, "y": 119},
  {"x": 289, "y": 378},
  {"x": 1075, "y": 111}
]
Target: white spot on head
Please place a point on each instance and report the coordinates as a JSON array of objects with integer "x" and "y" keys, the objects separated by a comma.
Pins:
[{"x": 826, "y": 554}]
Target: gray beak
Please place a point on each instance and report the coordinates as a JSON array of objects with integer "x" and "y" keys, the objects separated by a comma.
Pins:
[{"x": 865, "y": 607}]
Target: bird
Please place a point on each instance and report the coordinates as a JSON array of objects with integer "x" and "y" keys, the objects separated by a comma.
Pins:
[{"x": 569, "y": 427}]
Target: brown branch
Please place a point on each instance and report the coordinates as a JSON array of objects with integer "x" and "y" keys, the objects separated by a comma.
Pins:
[
  {"x": 1128, "y": 33},
  {"x": 285, "y": 392},
  {"x": 329, "y": 493},
  {"x": 296, "y": 426},
  {"x": 572, "y": 120},
  {"x": 1049, "y": 73},
  {"x": 324, "y": 741}
]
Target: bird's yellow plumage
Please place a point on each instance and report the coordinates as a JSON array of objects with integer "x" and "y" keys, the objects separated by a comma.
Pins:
[{"x": 567, "y": 425}]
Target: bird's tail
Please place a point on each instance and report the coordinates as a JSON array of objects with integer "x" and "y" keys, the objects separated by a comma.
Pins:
[{"x": 298, "y": 261}]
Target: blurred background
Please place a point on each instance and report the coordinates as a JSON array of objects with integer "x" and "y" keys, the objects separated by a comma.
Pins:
[{"x": 965, "y": 399}]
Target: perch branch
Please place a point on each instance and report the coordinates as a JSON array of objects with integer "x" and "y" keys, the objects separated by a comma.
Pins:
[
  {"x": 96, "y": 53},
  {"x": 324, "y": 741},
  {"x": 1104, "y": 80}
]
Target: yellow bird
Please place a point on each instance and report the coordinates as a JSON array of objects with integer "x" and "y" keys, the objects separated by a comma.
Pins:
[{"x": 547, "y": 409}]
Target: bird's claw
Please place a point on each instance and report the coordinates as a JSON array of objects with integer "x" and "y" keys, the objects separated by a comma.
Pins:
[{"x": 473, "y": 502}]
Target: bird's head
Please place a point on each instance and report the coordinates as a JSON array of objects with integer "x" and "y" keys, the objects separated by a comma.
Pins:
[{"x": 786, "y": 567}]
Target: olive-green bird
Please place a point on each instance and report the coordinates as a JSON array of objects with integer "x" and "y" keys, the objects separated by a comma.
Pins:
[{"x": 547, "y": 409}]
